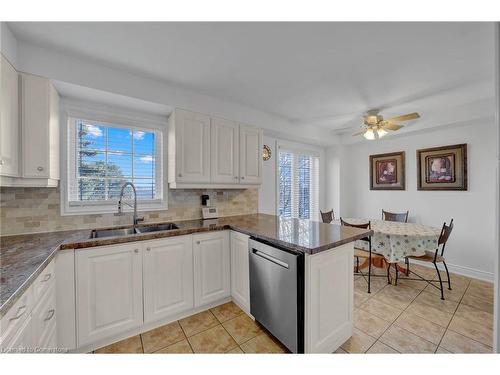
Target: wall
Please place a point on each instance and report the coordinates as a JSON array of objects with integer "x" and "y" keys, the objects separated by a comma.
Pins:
[
  {"x": 268, "y": 192},
  {"x": 471, "y": 248},
  {"x": 32, "y": 210}
]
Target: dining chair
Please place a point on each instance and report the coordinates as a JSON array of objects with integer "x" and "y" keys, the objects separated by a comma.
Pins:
[
  {"x": 391, "y": 216},
  {"x": 362, "y": 253},
  {"x": 437, "y": 257},
  {"x": 327, "y": 217}
]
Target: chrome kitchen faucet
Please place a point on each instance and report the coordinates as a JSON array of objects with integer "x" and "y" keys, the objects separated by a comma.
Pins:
[{"x": 136, "y": 219}]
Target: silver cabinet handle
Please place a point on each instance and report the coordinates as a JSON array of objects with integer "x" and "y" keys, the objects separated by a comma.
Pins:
[
  {"x": 197, "y": 242},
  {"x": 136, "y": 251},
  {"x": 50, "y": 314},
  {"x": 242, "y": 177},
  {"x": 39, "y": 169},
  {"x": 180, "y": 175},
  {"x": 235, "y": 177},
  {"x": 46, "y": 278},
  {"x": 1, "y": 162},
  {"x": 148, "y": 248},
  {"x": 20, "y": 312}
]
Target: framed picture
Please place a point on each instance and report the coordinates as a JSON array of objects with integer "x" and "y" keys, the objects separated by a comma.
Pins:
[
  {"x": 442, "y": 168},
  {"x": 387, "y": 171}
]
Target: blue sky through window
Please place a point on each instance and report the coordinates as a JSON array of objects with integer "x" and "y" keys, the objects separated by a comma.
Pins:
[{"x": 109, "y": 156}]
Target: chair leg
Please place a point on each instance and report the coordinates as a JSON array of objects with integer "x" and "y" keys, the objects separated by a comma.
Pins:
[
  {"x": 357, "y": 264},
  {"x": 369, "y": 269},
  {"x": 447, "y": 275},
  {"x": 396, "y": 268},
  {"x": 440, "y": 281},
  {"x": 407, "y": 261},
  {"x": 388, "y": 272}
]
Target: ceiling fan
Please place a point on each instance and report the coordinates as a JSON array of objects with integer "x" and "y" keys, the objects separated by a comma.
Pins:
[{"x": 376, "y": 127}]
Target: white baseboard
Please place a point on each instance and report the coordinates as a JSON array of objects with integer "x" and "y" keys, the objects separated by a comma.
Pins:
[{"x": 460, "y": 270}]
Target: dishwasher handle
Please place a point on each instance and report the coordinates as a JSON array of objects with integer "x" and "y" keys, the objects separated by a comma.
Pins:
[{"x": 270, "y": 258}]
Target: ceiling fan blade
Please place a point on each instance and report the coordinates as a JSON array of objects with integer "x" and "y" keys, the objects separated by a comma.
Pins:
[
  {"x": 358, "y": 133},
  {"x": 390, "y": 126},
  {"x": 407, "y": 117}
]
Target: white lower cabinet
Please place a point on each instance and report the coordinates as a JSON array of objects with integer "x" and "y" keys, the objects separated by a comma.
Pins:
[
  {"x": 108, "y": 291},
  {"x": 168, "y": 277},
  {"x": 24, "y": 340},
  {"x": 211, "y": 256},
  {"x": 329, "y": 299},
  {"x": 30, "y": 324},
  {"x": 240, "y": 277}
]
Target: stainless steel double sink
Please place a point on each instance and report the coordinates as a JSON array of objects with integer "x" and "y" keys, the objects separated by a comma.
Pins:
[{"x": 101, "y": 233}]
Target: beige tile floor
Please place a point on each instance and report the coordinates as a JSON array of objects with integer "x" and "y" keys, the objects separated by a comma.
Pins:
[{"x": 407, "y": 318}]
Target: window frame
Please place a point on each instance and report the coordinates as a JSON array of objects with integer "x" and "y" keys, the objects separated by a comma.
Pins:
[
  {"x": 68, "y": 159},
  {"x": 296, "y": 149}
]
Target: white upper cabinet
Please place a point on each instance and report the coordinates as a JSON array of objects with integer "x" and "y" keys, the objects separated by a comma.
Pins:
[
  {"x": 189, "y": 147},
  {"x": 108, "y": 291},
  {"x": 39, "y": 134},
  {"x": 40, "y": 128},
  {"x": 225, "y": 151},
  {"x": 250, "y": 155},
  {"x": 168, "y": 277},
  {"x": 209, "y": 152},
  {"x": 212, "y": 280},
  {"x": 9, "y": 120}
]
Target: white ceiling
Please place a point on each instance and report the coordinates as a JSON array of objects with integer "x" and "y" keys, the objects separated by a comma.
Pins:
[{"x": 324, "y": 74}]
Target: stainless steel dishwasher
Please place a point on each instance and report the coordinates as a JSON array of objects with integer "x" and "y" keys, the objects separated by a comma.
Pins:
[{"x": 277, "y": 292}]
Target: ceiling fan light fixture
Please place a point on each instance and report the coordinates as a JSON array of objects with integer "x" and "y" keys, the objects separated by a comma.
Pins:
[
  {"x": 369, "y": 134},
  {"x": 381, "y": 132}
]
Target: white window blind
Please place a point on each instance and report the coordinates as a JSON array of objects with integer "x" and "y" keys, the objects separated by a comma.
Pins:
[
  {"x": 102, "y": 157},
  {"x": 298, "y": 185}
]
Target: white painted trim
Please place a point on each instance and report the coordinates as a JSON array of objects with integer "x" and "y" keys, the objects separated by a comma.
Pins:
[
  {"x": 109, "y": 115},
  {"x": 459, "y": 270},
  {"x": 496, "y": 294}
]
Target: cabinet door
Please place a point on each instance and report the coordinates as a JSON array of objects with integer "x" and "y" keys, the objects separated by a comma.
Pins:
[
  {"x": 9, "y": 120},
  {"x": 240, "y": 279},
  {"x": 192, "y": 142},
  {"x": 250, "y": 155},
  {"x": 35, "y": 97},
  {"x": 225, "y": 151},
  {"x": 168, "y": 277},
  {"x": 211, "y": 267},
  {"x": 108, "y": 291}
]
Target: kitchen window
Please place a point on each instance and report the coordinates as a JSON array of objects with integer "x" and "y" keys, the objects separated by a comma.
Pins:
[
  {"x": 103, "y": 156},
  {"x": 298, "y": 184}
]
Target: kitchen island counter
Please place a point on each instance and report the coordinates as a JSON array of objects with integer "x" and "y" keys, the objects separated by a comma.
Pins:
[{"x": 23, "y": 257}]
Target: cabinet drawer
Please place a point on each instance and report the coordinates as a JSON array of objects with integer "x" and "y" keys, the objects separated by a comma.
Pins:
[
  {"x": 22, "y": 341},
  {"x": 12, "y": 322},
  {"x": 44, "y": 281},
  {"x": 44, "y": 317}
]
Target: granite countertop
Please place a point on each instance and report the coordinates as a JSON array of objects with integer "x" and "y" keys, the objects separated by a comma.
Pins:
[{"x": 23, "y": 257}]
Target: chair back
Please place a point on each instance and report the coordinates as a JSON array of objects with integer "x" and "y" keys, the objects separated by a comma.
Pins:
[
  {"x": 327, "y": 217},
  {"x": 361, "y": 226},
  {"x": 445, "y": 234},
  {"x": 391, "y": 216}
]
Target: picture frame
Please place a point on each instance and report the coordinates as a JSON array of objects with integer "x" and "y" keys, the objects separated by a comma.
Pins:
[
  {"x": 387, "y": 171},
  {"x": 442, "y": 168}
]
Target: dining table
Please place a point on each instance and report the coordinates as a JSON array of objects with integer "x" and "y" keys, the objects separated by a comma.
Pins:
[{"x": 396, "y": 240}]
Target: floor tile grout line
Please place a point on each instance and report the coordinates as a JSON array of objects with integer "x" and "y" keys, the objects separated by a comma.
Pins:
[
  {"x": 239, "y": 344},
  {"x": 448, "y": 326},
  {"x": 394, "y": 321}
]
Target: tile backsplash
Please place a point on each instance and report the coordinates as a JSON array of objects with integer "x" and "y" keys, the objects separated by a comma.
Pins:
[{"x": 32, "y": 210}]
